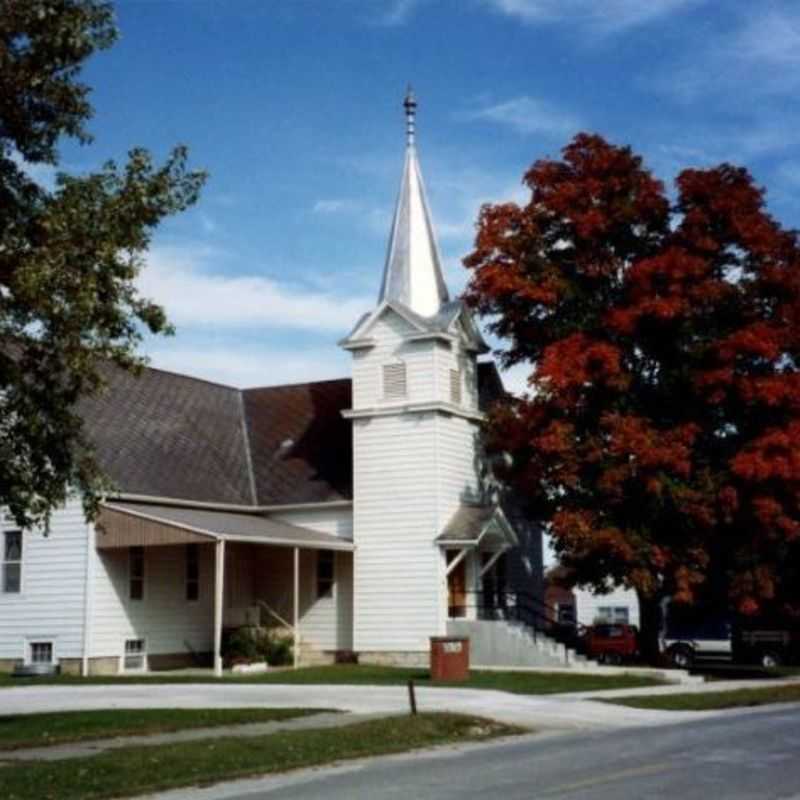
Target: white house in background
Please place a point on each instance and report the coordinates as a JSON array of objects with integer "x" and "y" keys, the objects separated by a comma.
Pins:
[
  {"x": 619, "y": 605},
  {"x": 582, "y": 605},
  {"x": 359, "y": 511}
]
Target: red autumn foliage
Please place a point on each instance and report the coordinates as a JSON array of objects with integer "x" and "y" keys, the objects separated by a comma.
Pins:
[{"x": 661, "y": 438}]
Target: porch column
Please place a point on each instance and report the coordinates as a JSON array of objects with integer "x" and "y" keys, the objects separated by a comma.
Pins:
[
  {"x": 296, "y": 610},
  {"x": 219, "y": 587}
]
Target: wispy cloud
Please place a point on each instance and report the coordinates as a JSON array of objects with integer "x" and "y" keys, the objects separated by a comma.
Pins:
[
  {"x": 242, "y": 365},
  {"x": 756, "y": 56},
  {"x": 392, "y": 12},
  {"x": 337, "y": 206},
  {"x": 603, "y": 16},
  {"x": 198, "y": 298},
  {"x": 527, "y": 115}
]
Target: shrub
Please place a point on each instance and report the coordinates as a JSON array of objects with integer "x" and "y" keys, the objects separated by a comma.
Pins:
[{"x": 252, "y": 644}]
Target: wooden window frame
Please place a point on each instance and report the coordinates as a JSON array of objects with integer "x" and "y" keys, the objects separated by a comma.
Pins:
[
  {"x": 133, "y": 554},
  {"x": 7, "y": 562},
  {"x": 192, "y": 575},
  {"x": 41, "y": 641},
  {"x": 131, "y": 654},
  {"x": 325, "y": 585}
]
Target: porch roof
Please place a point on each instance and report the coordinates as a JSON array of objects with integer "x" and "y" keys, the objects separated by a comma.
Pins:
[
  {"x": 194, "y": 524},
  {"x": 471, "y": 524}
]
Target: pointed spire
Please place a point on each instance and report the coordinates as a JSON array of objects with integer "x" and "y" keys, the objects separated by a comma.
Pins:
[{"x": 413, "y": 272}]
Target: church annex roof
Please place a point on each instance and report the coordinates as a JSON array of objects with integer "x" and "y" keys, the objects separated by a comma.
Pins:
[{"x": 165, "y": 435}]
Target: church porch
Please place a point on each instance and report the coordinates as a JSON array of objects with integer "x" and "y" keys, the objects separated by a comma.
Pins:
[{"x": 171, "y": 581}]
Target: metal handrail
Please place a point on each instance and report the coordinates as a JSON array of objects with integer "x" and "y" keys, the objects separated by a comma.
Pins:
[{"x": 527, "y": 609}]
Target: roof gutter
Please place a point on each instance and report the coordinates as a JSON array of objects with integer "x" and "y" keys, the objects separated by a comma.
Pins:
[{"x": 241, "y": 508}]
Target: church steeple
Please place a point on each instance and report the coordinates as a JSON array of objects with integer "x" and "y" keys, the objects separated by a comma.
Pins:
[{"x": 413, "y": 272}]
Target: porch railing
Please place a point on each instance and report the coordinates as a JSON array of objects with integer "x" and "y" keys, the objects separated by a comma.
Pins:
[{"x": 523, "y": 608}]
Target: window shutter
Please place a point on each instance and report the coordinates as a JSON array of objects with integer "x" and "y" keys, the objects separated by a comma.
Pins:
[
  {"x": 394, "y": 381},
  {"x": 455, "y": 386}
]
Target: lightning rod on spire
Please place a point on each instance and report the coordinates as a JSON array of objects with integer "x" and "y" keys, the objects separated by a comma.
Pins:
[{"x": 410, "y": 105}]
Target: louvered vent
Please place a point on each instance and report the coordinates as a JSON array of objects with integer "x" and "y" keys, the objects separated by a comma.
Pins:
[
  {"x": 455, "y": 386},
  {"x": 394, "y": 381}
]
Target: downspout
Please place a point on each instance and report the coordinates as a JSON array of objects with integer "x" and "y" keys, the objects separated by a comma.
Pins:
[{"x": 88, "y": 595}]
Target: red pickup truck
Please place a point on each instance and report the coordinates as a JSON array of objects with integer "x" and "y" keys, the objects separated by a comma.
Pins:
[{"x": 612, "y": 644}]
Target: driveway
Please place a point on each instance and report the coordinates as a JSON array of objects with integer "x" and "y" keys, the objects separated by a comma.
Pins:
[{"x": 534, "y": 711}]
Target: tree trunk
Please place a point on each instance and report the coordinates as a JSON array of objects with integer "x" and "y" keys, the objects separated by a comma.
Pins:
[{"x": 650, "y": 628}]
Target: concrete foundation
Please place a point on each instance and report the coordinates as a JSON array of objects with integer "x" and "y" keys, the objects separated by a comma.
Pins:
[
  {"x": 389, "y": 658},
  {"x": 164, "y": 661},
  {"x": 104, "y": 665}
]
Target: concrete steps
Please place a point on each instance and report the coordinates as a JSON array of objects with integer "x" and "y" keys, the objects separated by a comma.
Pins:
[{"x": 497, "y": 643}]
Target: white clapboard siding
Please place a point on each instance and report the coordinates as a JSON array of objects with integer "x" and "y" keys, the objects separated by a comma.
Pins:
[
  {"x": 334, "y": 521},
  {"x": 457, "y": 358},
  {"x": 411, "y": 471},
  {"x": 396, "y": 563},
  {"x": 50, "y": 606},
  {"x": 326, "y": 622},
  {"x": 457, "y": 473},
  {"x": 164, "y": 617},
  {"x": 389, "y": 334}
]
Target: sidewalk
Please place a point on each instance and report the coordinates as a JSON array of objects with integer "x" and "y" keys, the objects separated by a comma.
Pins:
[
  {"x": 91, "y": 747},
  {"x": 565, "y": 712}
]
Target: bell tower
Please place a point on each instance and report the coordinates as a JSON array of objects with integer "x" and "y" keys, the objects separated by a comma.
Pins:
[{"x": 415, "y": 428}]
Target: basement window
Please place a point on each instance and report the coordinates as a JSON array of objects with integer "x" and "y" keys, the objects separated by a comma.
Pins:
[
  {"x": 41, "y": 652},
  {"x": 135, "y": 656},
  {"x": 394, "y": 381}
]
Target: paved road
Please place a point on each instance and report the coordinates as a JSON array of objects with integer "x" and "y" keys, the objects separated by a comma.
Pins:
[{"x": 737, "y": 756}]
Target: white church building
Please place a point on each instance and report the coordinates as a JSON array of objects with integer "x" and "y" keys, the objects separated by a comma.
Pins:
[{"x": 359, "y": 511}]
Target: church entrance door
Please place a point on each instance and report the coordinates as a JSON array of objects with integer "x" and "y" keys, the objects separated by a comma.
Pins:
[{"x": 457, "y": 587}]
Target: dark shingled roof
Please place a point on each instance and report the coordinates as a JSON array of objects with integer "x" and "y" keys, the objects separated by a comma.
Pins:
[
  {"x": 166, "y": 435},
  {"x": 466, "y": 524},
  {"x": 161, "y": 434},
  {"x": 300, "y": 444}
]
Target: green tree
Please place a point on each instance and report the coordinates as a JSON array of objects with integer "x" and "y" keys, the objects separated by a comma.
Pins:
[
  {"x": 661, "y": 441},
  {"x": 69, "y": 255}
]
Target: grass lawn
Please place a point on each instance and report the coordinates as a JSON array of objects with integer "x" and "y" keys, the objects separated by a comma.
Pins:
[
  {"x": 37, "y": 730},
  {"x": 737, "y": 698},
  {"x": 351, "y": 674},
  {"x": 136, "y": 770}
]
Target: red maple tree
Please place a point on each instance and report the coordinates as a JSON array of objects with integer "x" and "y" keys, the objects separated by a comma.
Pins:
[{"x": 661, "y": 437}]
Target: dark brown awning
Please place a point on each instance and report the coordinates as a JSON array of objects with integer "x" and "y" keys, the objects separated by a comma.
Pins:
[{"x": 144, "y": 524}]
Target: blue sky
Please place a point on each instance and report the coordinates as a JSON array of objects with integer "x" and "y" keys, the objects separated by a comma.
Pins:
[{"x": 294, "y": 107}]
